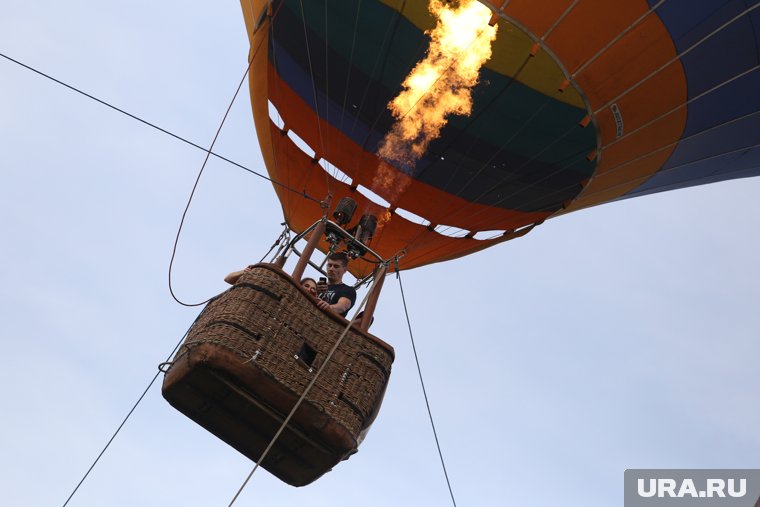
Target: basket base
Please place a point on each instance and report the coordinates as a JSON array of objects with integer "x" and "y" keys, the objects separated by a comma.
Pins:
[{"x": 244, "y": 417}]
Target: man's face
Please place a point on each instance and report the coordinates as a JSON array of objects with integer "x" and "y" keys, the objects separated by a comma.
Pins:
[{"x": 335, "y": 270}]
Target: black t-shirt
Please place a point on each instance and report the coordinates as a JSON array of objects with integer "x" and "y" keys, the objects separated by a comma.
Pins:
[{"x": 334, "y": 292}]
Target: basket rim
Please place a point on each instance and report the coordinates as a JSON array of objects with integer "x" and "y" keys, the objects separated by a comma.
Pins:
[{"x": 334, "y": 316}]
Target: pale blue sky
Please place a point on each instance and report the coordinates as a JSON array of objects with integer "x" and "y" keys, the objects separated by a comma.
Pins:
[{"x": 624, "y": 336}]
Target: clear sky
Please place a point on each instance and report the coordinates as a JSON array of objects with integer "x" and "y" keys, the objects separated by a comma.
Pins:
[{"x": 624, "y": 336}]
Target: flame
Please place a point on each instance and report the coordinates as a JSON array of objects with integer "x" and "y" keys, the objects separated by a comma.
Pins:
[
  {"x": 440, "y": 85},
  {"x": 383, "y": 218}
]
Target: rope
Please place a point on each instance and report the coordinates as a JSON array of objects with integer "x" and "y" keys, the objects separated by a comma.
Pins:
[
  {"x": 617, "y": 167},
  {"x": 388, "y": 37},
  {"x": 160, "y": 129},
  {"x": 681, "y": 106},
  {"x": 300, "y": 400},
  {"x": 327, "y": 94},
  {"x": 559, "y": 20},
  {"x": 469, "y": 122},
  {"x": 153, "y": 380},
  {"x": 459, "y": 212},
  {"x": 314, "y": 87},
  {"x": 463, "y": 213},
  {"x": 506, "y": 178},
  {"x": 285, "y": 233},
  {"x": 679, "y": 56},
  {"x": 348, "y": 73},
  {"x": 615, "y": 39},
  {"x": 424, "y": 391},
  {"x": 277, "y": 139},
  {"x": 474, "y": 144},
  {"x": 198, "y": 178}
]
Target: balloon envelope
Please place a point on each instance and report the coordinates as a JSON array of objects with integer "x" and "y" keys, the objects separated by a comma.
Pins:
[{"x": 582, "y": 103}]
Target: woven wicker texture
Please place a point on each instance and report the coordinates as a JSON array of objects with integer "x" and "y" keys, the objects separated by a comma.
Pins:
[{"x": 275, "y": 326}]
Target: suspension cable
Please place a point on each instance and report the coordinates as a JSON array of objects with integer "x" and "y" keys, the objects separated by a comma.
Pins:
[
  {"x": 459, "y": 212},
  {"x": 160, "y": 370},
  {"x": 388, "y": 37},
  {"x": 678, "y": 57},
  {"x": 283, "y": 235},
  {"x": 314, "y": 86},
  {"x": 150, "y": 384},
  {"x": 303, "y": 397},
  {"x": 160, "y": 129},
  {"x": 614, "y": 168},
  {"x": 424, "y": 391},
  {"x": 348, "y": 72}
]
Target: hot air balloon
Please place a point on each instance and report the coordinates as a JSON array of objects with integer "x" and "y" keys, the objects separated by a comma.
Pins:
[{"x": 579, "y": 103}]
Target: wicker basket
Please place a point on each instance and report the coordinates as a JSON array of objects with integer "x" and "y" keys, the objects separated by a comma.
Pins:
[{"x": 249, "y": 357}]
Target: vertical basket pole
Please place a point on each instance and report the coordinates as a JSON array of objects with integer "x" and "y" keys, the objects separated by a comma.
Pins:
[
  {"x": 280, "y": 261},
  {"x": 374, "y": 295},
  {"x": 316, "y": 236}
]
